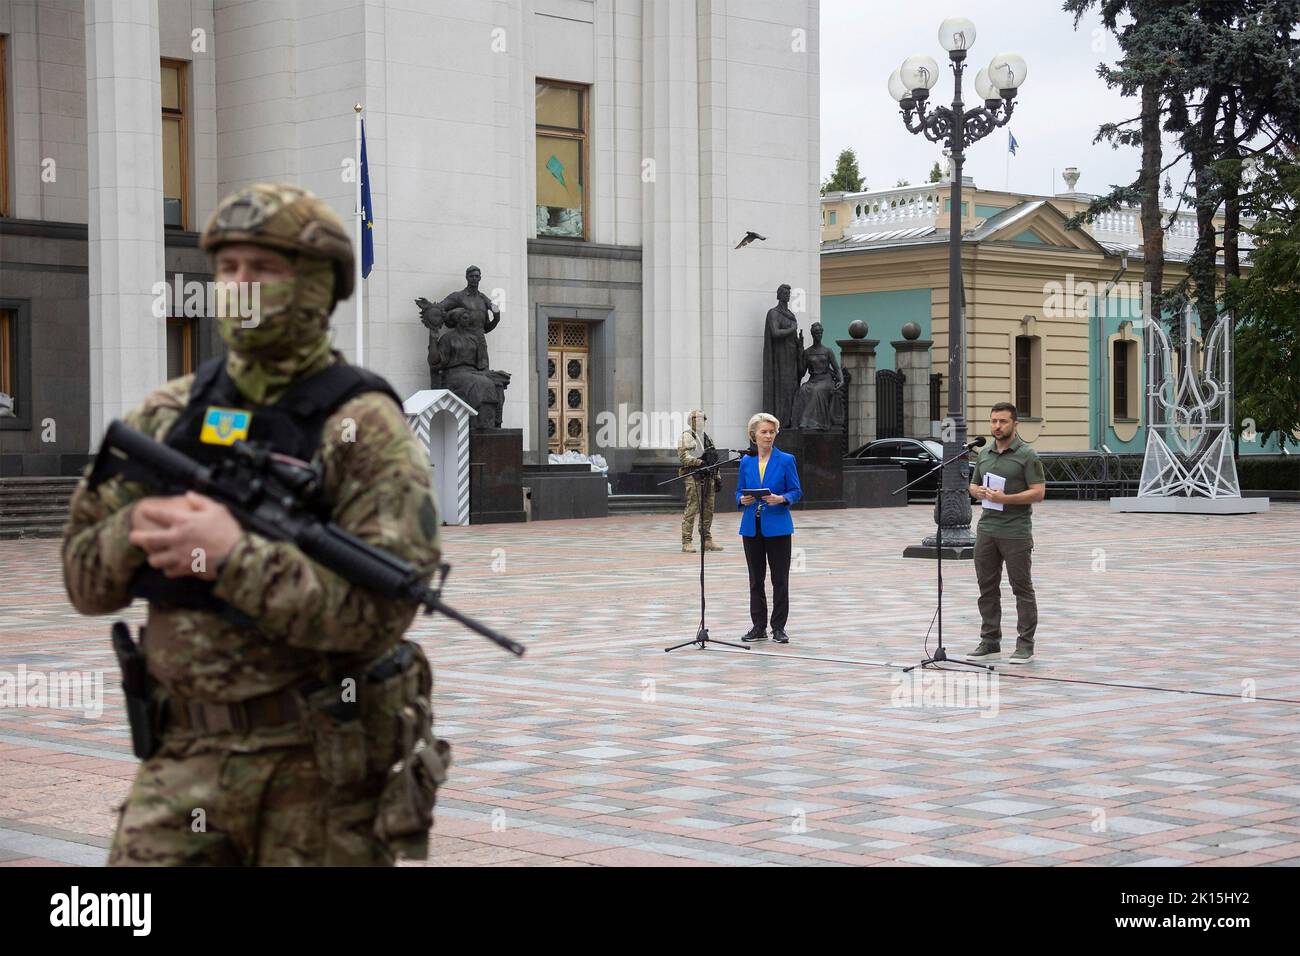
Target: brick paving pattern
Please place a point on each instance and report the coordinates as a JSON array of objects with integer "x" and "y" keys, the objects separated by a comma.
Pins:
[{"x": 598, "y": 748}]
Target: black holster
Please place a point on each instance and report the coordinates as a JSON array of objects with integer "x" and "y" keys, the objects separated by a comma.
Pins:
[{"x": 142, "y": 704}]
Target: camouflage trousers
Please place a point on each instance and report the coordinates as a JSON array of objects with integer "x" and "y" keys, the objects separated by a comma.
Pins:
[
  {"x": 696, "y": 506},
  {"x": 265, "y": 808}
]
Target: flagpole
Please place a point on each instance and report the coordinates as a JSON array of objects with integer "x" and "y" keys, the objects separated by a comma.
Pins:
[
  {"x": 1006, "y": 176},
  {"x": 360, "y": 225}
]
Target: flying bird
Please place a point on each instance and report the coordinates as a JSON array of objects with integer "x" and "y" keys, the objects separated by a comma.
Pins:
[{"x": 750, "y": 237}]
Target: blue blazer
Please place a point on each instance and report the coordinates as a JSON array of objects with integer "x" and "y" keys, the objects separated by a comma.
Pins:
[{"x": 781, "y": 477}]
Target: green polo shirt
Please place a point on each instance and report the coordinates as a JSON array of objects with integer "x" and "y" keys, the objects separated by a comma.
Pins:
[{"x": 1021, "y": 467}]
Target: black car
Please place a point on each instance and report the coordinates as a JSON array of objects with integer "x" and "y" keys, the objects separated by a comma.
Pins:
[{"x": 916, "y": 455}]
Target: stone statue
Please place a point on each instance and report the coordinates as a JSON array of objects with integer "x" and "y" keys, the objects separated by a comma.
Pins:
[
  {"x": 477, "y": 316},
  {"x": 819, "y": 403},
  {"x": 463, "y": 363},
  {"x": 782, "y": 347}
]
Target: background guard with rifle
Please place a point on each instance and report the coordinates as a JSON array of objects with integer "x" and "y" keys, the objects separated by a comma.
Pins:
[{"x": 695, "y": 449}]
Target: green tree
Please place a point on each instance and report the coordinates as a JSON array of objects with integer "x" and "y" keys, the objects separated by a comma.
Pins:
[
  {"x": 1267, "y": 303},
  {"x": 1144, "y": 69},
  {"x": 936, "y": 174},
  {"x": 1237, "y": 100},
  {"x": 846, "y": 177},
  {"x": 1221, "y": 74}
]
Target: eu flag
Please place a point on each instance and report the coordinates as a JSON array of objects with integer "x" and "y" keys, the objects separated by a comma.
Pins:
[{"x": 368, "y": 212}]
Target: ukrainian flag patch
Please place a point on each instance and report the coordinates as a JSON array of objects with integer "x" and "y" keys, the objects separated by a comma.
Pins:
[{"x": 225, "y": 426}]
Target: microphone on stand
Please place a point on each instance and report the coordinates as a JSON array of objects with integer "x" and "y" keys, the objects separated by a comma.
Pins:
[{"x": 977, "y": 443}]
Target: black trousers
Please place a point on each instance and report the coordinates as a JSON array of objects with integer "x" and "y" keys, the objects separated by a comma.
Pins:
[{"x": 760, "y": 554}]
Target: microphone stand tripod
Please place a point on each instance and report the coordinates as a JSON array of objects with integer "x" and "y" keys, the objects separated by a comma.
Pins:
[
  {"x": 704, "y": 476},
  {"x": 940, "y": 655}
]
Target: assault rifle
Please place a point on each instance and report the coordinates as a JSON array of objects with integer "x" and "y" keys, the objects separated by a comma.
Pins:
[{"x": 276, "y": 496}]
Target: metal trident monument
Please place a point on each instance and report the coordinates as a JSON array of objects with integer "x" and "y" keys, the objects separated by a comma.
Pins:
[{"x": 1189, "y": 414}]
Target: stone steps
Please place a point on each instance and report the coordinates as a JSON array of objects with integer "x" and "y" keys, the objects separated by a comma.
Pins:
[
  {"x": 644, "y": 504},
  {"x": 34, "y": 507}
]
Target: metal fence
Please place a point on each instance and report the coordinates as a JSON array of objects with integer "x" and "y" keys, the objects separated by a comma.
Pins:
[
  {"x": 889, "y": 403},
  {"x": 1089, "y": 475}
]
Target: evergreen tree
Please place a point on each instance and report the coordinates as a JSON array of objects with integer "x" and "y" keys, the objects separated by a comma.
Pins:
[
  {"x": 1222, "y": 75},
  {"x": 846, "y": 177},
  {"x": 936, "y": 174},
  {"x": 1143, "y": 70}
]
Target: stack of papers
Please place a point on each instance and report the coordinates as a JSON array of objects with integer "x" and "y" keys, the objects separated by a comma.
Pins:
[{"x": 997, "y": 483}]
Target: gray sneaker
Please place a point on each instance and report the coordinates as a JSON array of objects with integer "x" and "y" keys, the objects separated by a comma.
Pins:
[
  {"x": 1024, "y": 653},
  {"x": 986, "y": 652}
]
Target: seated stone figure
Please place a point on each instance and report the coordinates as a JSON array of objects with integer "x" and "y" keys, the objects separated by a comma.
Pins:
[
  {"x": 463, "y": 366},
  {"x": 819, "y": 403}
]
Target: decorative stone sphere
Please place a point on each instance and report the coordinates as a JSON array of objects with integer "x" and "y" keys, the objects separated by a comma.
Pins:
[
  {"x": 911, "y": 331},
  {"x": 858, "y": 329}
]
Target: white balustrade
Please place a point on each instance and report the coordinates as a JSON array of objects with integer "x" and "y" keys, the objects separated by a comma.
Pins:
[
  {"x": 910, "y": 207},
  {"x": 904, "y": 208}
]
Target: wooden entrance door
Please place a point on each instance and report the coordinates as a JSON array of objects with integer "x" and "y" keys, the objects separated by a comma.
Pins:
[{"x": 568, "y": 350}]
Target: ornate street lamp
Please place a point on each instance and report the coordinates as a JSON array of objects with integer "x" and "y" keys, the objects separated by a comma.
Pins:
[{"x": 956, "y": 127}]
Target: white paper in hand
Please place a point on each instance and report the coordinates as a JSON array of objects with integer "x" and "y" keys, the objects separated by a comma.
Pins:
[{"x": 997, "y": 483}]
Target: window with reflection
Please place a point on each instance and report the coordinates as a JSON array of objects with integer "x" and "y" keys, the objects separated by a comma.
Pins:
[
  {"x": 175, "y": 142},
  {"x": 561, "y": 159}
]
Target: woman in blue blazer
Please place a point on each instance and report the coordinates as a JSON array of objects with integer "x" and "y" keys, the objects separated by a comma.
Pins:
[{"x": 766, "y": 526}]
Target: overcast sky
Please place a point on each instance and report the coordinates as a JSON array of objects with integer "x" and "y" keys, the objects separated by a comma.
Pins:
[{"x": 1057, "y": 112}]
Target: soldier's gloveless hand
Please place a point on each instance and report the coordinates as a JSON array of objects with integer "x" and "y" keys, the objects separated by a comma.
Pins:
[{"x": 184, "y": 535}]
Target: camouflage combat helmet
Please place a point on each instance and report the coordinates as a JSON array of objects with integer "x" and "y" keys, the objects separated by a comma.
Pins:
[{"x": 289, "y": 220}]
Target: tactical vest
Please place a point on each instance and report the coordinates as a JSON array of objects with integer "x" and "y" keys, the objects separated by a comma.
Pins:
[
  {"x": 708, "y": 444},
  {"x": 291, "y": 426}
]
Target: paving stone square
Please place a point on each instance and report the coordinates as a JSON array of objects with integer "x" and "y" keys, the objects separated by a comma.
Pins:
[{"x": 1159, "y": 725}]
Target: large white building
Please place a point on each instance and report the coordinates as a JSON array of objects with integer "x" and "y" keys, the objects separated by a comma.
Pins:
[{"x": 598, "y": 159}]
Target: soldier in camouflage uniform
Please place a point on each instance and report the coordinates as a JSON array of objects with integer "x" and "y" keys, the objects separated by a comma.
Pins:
[
  {"x": 691, "y": 448},
  {"x": 246, "y": 773}
]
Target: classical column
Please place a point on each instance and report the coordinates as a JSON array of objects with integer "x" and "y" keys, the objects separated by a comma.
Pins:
[
  {"x": 912, "y": 358},
  {"x": 858, "y": 358},
  {"x": 670, "y": 207},
  {"x": 128, "y": 342}
]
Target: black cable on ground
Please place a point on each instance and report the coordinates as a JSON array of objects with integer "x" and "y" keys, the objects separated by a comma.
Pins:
[{"x": 1024, "y": 676}]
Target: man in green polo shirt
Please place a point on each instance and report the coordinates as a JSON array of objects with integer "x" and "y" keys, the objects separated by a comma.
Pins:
[{"x": 1006, "y": 535}]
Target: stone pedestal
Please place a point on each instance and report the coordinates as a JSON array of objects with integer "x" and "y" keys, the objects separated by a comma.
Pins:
[
  {"x": 930, "y": 553},
  {"x": 1179, "y": 504},
  {"x": 726, "y": 503},
  {"x": 566, "y": 491},
  {"x": 912, "y": 358},
  {"x": 496, "y": 460},
  {"x": 868, "y": 485},
  {"x": 858, "y": 358},
  {"x": 647, "y": 478},
  {"x": 820, "y": 459}
]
